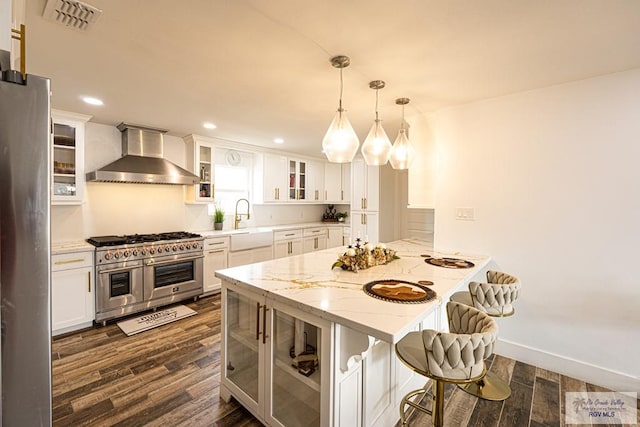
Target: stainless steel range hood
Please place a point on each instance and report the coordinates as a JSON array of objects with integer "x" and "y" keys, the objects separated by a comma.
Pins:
[{"x": 142, "y": 161}]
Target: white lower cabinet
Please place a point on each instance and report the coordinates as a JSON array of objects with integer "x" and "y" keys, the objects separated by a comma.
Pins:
[
  {"x": 364, "y": 225},
  {"x": 336, "y": 236},
  {"x": 259, "y": 339},
  {"x": 287, "y": 243},
  {"x": 72, "y": 292},
  {"x": 250, "y": 256},
  {"x": 315, "y": 239},
  {"x": 216, "y": 251}
]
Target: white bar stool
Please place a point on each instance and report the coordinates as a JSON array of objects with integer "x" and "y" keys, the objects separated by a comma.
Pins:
[
  {"x": 448, "y": 357},
  {"x": 496, "y": 298}
]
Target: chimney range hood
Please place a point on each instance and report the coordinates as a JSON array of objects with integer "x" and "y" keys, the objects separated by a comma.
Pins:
[{"x": 141, "y": 161}]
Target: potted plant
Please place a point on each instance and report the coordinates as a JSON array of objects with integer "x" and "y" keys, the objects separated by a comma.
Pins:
[
  {"x": 218, "y": 218},
  {"x": 341, "y": 216}
]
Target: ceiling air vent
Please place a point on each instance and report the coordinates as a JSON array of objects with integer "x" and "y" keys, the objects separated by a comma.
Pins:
[{"x": 71, "y": 13}]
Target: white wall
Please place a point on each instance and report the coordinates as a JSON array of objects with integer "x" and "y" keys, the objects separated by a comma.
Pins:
[{"x": 553, "y": 176}]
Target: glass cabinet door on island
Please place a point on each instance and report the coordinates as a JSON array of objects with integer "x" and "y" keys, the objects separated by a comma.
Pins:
[{"x": 282, "y": 376}]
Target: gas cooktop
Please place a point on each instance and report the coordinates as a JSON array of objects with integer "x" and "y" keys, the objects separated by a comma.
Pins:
[{"x": 100, "y": 241}]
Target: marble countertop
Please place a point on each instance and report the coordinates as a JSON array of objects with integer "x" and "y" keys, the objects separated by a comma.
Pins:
[
  {"x": 58, "y": 248},
  {"x": 308, "y": 283}
]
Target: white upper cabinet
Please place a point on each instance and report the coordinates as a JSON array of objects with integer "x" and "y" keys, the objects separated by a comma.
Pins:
[
  {"x": 337, "y": 183},
  {"x": 365, "y": 186},
  {"x": 315, "y": 182},
  {"x": 282, "y": 179},
  {"x": 67, "y": 157},
  {"x": 270, "y": 178},
  {"x": 200, "y": 162}
]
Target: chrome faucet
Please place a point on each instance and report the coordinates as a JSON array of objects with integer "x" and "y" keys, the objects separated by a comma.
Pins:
[{"x": 238, "y": 216}]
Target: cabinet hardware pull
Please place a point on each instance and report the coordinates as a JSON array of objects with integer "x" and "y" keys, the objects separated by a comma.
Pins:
[
  {"x": 89, "y": 281},
  {"x": 365, "y": 219},
  {"x": 20, "y": 35},
  {"x": 257, "y": 321},
  {"x": 216, "y": 252},
  {"x": 152, "y": 262},
  {"x": 264, "y": 324},
  {"x": 69, "y": 261},
  {"x": 366, "y": 203},
  {"x": 341, "y": 194},
  {"x": 290, "y": 234},
  {"x": 214, "y": 244},
  {"x": 325, "y": 195}
]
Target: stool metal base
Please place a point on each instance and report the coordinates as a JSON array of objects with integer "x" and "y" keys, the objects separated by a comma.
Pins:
[{"x": 491, "y": 387}]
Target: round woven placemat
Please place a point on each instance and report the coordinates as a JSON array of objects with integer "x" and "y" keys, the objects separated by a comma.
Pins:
[
  {"x": 399, "y": 291},
  {"x": 449, "y": 262}
]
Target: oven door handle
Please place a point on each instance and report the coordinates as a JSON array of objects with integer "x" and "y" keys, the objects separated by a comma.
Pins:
[
  {"x": 173, "y": 261},
  {"x": 116, "y": 270}
]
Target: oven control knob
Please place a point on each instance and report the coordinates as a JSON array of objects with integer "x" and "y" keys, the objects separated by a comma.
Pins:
[
  {"x": 181, "y": 247},
  {"x": 108, "y": 255},
  {"x": 134, "y": 252},
  {"x": 195, "y": 245},
  {"x": 175, "y": 248},
  {"x": 117, "y": 254},
  {"x": 187, "y": 246},
  {"x": 167, "y": 248},
  {"x": 143, "y": 251},
  {"x": 151, "y": 251},
  {"x": 127, "y": 252}
]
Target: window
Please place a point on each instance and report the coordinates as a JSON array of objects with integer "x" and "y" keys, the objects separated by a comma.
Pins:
[{"x": 231, "y": 182}]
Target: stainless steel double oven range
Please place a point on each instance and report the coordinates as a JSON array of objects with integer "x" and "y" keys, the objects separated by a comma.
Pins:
[{"x": 143, "y": 271}]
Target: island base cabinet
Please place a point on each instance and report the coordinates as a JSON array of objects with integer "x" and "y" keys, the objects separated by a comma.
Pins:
[{"x": 281, "y": 376}]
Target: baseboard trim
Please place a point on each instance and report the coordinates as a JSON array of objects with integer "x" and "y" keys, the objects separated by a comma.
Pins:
[{"x": 593, "y": 374}]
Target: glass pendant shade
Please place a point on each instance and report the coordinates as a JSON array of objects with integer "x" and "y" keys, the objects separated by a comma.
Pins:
[
  {"x": 377, "y": 146},
  {"x": 401, "y": 153},
  {"x": 340, "y": 143}
]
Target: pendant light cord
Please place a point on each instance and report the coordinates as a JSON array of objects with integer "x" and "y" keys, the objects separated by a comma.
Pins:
[
  {"x": 341, "y": 84},
  {"x": 376, "y": 105}
]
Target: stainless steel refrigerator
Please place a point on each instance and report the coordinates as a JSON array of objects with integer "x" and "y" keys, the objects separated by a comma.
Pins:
[{"x": 25, "y": 278}]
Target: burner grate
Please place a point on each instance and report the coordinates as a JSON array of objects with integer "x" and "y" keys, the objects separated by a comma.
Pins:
[{"x": 139, "y": 238}]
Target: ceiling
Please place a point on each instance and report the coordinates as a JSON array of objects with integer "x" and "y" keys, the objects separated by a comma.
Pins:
[{"x": 260, "y": 69}]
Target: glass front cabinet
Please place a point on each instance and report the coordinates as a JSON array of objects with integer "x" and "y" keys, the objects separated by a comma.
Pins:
[
  {"x": 297, "y": 180},
  {"x": 276, "y": 360},
  {"x": 200, "y": 162},
  {"x": 67, "y": 157}
]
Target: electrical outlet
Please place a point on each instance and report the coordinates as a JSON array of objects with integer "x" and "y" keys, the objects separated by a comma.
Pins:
[{"x": 465, "y": 214}]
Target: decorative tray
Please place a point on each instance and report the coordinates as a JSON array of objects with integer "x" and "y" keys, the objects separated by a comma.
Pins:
[
  {"x": 448, "y": 262},
  {"x": 399, "y": 291}
]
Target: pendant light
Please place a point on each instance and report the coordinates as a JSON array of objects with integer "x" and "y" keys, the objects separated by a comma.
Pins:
[
  {"x": 340, "y": 143},
  {"x": 376, "y": 147},
  {"x": 401, "y": 153}
]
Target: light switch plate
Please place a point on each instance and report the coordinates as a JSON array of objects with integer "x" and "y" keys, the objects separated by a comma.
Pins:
[{"x": 465, "y": 214}]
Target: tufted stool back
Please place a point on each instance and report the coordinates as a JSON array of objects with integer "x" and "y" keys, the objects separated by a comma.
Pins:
[
  {"x": 496, "y": 297},
  {"x": 460, "y": 354}
]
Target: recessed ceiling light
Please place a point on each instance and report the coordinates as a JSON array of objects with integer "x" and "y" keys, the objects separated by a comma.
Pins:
[
  {"x": 92, "y": 101},
  {"x": 209, "y": 125},
  {"x": 278, "y": 140}
]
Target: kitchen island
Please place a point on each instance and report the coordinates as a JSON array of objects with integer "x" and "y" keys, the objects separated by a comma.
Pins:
[{"x": 302, "y": 344}]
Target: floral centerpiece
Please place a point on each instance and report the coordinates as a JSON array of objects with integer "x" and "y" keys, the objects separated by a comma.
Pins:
[{"x": 361, "y": 257}]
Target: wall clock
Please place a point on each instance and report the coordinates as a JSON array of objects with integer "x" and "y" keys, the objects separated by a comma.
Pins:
[{"x": 233, "y": 158}]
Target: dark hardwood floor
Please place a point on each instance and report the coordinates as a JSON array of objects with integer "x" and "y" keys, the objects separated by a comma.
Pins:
[{"x": 169, "y": 376}]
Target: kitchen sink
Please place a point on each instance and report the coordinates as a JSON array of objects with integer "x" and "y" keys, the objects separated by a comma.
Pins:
[{"x": 245, "y": 239}]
